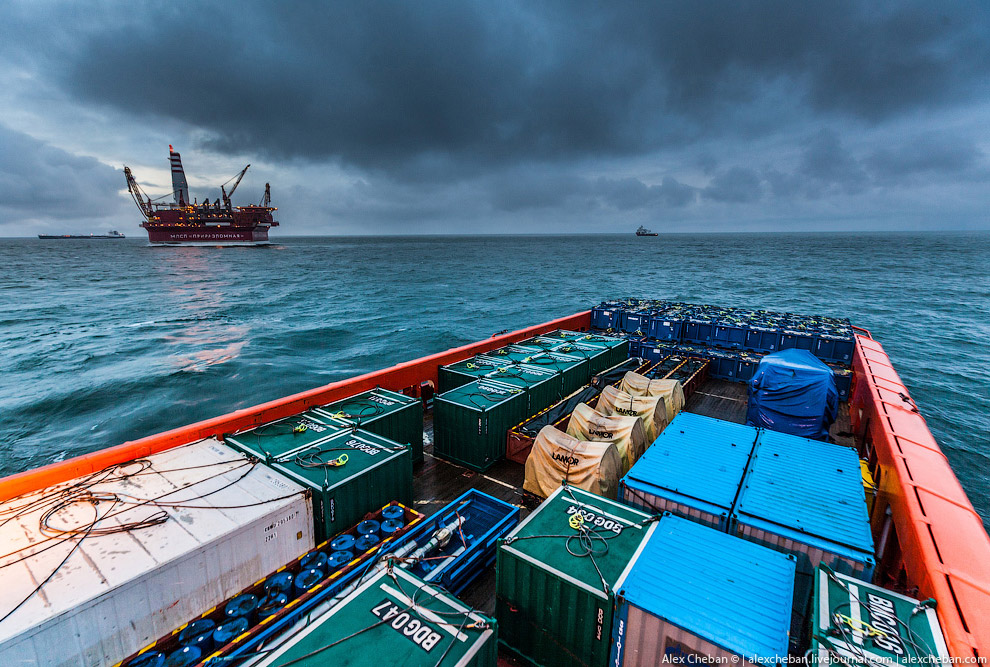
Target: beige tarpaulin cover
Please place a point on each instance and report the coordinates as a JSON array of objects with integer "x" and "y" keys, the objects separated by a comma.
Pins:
[
  {"x": 671, "y": 390},
  {"x": 558, "y": 458},
  {"x": 651, "y": 410},
  {"x": 627, "y": 433}
]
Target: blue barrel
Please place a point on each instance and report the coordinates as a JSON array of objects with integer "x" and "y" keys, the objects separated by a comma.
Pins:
[
  {"x": 365, "y": 542},
  {"x": 199, "y": 634},
  {"x": 184, "y": 657},
  {"x": 272, "y": 604},
  {"x": 393, "y": 512},
  {"x": 389, "y": 526},
  {"x": 307, "y": 579},
  {"x": 343, "y": 542},
  {"x": 369, "y": 527},
  {"x": 229, "y": 629},
  {"x": 339, "y": 559},
  {"x": 242, "y": 605},
  {"x": 315, "y": 560},
  {"x": 280, "y": 582},
  {"x": 149, "y": 659}
]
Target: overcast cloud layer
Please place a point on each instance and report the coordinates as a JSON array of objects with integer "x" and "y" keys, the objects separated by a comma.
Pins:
[{"x": 393, "y": 117}]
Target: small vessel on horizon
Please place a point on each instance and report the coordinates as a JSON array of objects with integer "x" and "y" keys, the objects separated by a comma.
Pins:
[
  {"x": 208, "y": 223},
  {"x": 643, "y": 231},
  {"x": 112, "y": 235}
]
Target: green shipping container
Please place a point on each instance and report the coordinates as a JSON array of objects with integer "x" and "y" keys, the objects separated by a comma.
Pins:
[
  {"x": 393, "y": 619},
  {"x": 575, "y": 371},
  {"x": 618, "y": 347},
  {"x": 598, "y": 357},
  {"x": 552, "y": 605},
  {"x": 377, "y": 471},
  {"x": 543, "y": 385},
  {"x": 270, "y": 441},
  {"x": 389, "y": 414},
  {"x": 844, "y": 610},
  {"x": 460, "y": 373},
  {"x": 470, "y": 423},
  {"x": 519, "y": 354}
]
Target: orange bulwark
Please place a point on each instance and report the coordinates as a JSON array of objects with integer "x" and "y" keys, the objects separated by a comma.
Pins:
[{"x": 927, "y": 533}]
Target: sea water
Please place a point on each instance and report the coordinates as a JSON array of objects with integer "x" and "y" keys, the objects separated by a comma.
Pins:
[{"x": 106, "y": 341}]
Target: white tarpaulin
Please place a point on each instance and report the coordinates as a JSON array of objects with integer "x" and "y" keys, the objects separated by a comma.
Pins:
[
  {"x": 671, "y": 390},
  {"x": 557, "y": 458},
  {"x": 651, "y": 410},
  {"x": 627, "y": 433}
]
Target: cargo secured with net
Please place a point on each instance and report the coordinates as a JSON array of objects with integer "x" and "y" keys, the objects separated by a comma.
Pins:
[
  {"x": 671, "y": 391},
  {"x": 470, "y": 423},
  {"x": 389, "y": 414},
  {"x": 557, "y": 458},
  {"x": 557, "y": 573},
  {"x": 394, "y": 618},
  {"x": 626, "y": 433},
  {"x": 278, "y": 438},
  {"x": 651, "y": 410}
]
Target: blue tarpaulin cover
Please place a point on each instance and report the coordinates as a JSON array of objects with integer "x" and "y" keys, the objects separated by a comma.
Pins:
[{"x": 793, "y": 392}]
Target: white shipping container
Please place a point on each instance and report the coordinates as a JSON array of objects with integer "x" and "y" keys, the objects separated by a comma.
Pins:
[{"x": 88, "y": 599}]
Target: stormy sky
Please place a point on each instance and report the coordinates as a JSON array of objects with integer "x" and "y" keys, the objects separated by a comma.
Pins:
[{"x": 487, "y": 117}]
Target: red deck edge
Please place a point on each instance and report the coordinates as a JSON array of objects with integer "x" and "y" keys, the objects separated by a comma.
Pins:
[
  {"x": 396, "y": 378},
  {"x": 944, "y": 548}
]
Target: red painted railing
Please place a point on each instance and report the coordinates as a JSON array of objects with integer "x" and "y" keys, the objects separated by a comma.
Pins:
[
  {"x": 396, "y": 378},
  {"x": 943, "y": 548}
]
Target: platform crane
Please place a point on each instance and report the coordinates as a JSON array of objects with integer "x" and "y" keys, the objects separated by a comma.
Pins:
[
  {"x": 142, "y": 200},
  {"x": 237, "y": 181}
]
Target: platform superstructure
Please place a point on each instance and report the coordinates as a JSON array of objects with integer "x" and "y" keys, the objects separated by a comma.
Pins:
[{"x": 190, "y": 222}]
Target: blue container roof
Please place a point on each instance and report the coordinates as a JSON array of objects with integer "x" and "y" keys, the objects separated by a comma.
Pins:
[
  {"x": 809, "y": 490},
  {"x": 696, "y": 458},
  {"x": 734, "y": 593}
]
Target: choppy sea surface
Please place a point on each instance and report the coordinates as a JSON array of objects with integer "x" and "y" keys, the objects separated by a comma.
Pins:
[{"x": 106, "y": 341}]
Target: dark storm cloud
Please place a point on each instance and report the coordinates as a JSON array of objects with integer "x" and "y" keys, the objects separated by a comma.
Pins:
[
  {"x": 516, "y": 192},
  {"x": 942, "y": 156},
  {"x": 830, "y": 167},
  {"x": 40, "y": 181},
  {"x": 735, "y": 185},
  {"x": 464, "y": 85}
]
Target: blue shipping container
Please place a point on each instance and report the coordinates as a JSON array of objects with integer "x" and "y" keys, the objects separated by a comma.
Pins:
[
  {"x": 698, "y": 331},
  {"x": 695, "y": 591},
  {"x": 604, "y": 317},
  {"x": 806, "y": 497},
  {"x": 801, "y": 340},
  {"x": 662, "y": 327},
  {"x": 762, "y": 339},
  {"x": 834, "y": 348},
  {"x": 693, "y": 469},
  {"x": 635, "y": 322},
  {"x": 729, "y": 335}
]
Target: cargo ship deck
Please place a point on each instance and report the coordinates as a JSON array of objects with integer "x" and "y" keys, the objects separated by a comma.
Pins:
[
  {"x": 437, "y": 482},
  {"x": 934, "y": 540}
]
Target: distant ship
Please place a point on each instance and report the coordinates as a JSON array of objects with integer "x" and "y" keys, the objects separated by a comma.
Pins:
[
  {"x": 643, "y": 231},
  {"x": 208, "y": 223},
  {"x": 112, "y": 235}
]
